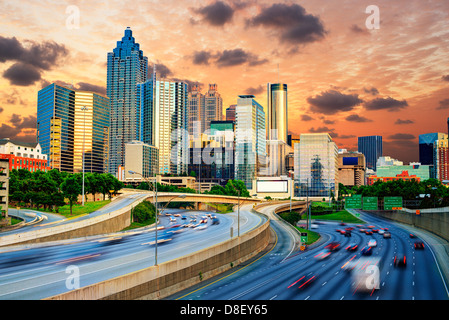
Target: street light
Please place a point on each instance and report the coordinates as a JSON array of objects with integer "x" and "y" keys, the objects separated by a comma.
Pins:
[{"x": 84, "y": 109}]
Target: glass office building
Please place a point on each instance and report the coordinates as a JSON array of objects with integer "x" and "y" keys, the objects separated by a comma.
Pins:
[
  {"x": 55, "y": 125},
  {"x": 163, "y": 111},
  {"x": 371, "y": 147},
  {"x": 250, "y": 139},
  {"x": 277, "y": 112},
  {"x": 426, "y": 150},
  {"x": 316, "y": 166},
  {"x": 67, "y": 119},
  {"x": 126, "y": 67}
]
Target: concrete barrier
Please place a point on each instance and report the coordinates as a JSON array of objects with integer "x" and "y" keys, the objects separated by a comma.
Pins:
[{"x": 167, "y": 278}]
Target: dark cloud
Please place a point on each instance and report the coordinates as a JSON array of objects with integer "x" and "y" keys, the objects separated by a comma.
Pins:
[
  {"x": 357, "y": 118},
  {"x": 201, "y": 57},
  {"x": 389, "y": 104},
  {"x": 216, "y": 14},
  {"x": 1, "y": 109},
  {"x": 295, "y": 25},
  {"x": 321, "y": 130},
  {"x": 235, "y": 57},
  {"x": 400, "y": 121},
  {"x": 356, "y": 29},
  {"x": 162, "y": 71},
  {"x": 444, "y": 104},
  {"x": 31, "y": 60},
  {"x": 15, "y": 131},
  {"x": 445, "y": 78},
  {"x": 372, "y": 91},
  {"x": 332, "y": 101},
  {"x": 255, "y": 91},
  {"x": 326, "y": 121},
  {"x": 22, "y": 74},
  {"x": 402, "y": 136},
  {"x": 91, "y": 87},
  {"x": 306, "y": 117},
  {"x": 190, "y": 83}
]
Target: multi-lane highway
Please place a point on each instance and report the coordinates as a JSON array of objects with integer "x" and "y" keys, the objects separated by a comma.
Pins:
[
  {"x": 319, "y": 274},
  {"x": 41, "y": 271}
]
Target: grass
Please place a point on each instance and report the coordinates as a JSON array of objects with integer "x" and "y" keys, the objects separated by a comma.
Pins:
[
  {"x": 78, "y": 209},
  {"x": 312, "y": 236},
  {"x": 222, "y": 207},
  {"x": 343, "y": 216}
]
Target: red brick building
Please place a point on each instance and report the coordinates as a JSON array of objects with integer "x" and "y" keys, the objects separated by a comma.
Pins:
[
  {"x": 402, "y": 176},
  {"x": 23, "y": 155}
]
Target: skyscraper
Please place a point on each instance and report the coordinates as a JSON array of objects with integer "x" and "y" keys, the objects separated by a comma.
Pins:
[
  {"x": 213, "y": 107},
  {"x": 127, "y": 66},
  {"x": 195, "y": 103},
  {"x": 371, "y": 147},
  {"x": 250, "y": 139},
  {"x": 316, "y": 166},
  {"x": 441, "y": 159},
  {"x": 277, "y": 125},
  {"x": 72, "y": 121},
  {"x": 426, "y": 146},
  {"x": 230, "y": 113}
]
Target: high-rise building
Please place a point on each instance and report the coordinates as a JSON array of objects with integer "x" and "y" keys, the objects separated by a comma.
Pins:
[
  {"x": 213, "y": 107},
  {"x": 351, "y": 169},
  {"x": 441, "y": 159},
  {"x": 250, "y": 139},
  {"x": 316, "y": 166},
  {"x": 426, "y": 150},
  {"x": 127, "y": 66},
  {"x": 164, "y": 113},
  {"x": 371, "y": 147},
  {"x": 277, "y": 113},
  {"x": 195, "y": 103},
  {"x": 230, "y": 113},
  {"x": 72, "y": 121},
  {"x": 142, "y": 158}
]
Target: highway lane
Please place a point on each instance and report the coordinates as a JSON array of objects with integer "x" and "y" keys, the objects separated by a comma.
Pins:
[
  {"x": 41, "y": 270},
  {"x": 284, "y": 275}
]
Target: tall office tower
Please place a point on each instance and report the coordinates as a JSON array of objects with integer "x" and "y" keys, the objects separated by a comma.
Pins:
[
  {"x": 426, "y": 146},
  {"x": 316, "y": 166},
  {"x": 250, "y": 139},
  {"x": 55, "y": 125},
  {"x": 441, "y": 159},
  {"x": 213, "y": 107},
  {"x": 195, "y": 103},
  {"x": 277, "y": 125},
  {"x": 230, "y": 113},
  {"x": 164, "y": 111},
  {"x": 127, "y": 66},
  {"x": 67, "y": 119},
  {"x": 371, "y": 147}
]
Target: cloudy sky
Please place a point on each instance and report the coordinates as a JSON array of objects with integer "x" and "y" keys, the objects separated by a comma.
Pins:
[{"x": 344, "y": 75}]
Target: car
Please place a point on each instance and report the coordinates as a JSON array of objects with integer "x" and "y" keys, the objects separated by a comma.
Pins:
[
  {"x": 323, "y": 254},
  {"x": 372, "y": 243},
  {"x": 362, "y": 230},
  {"x": 370, "y": 227},
  {"x": 349, "y": 228},
  {"x": 368, "y": 233},
  {"x": 348, "y": 234},
  {"x": 215, "y": 221},
  {"x": 201, "y": 227},
  {"x": 366, "y": 251},
  {"x": 381, "y": 231},
  {"x": 352, "y": 247},
  {"x": 400, "y": 260},
  {"x": 314, "y": 226},
  {"x": 303, "y": 282},
  {"x": 412, "y": 235},
  {"x": 333, "y": 246},
  {"x": 387, "y": 235},
  {"x": 419, "y": 245},
  {"x": 184, "y": 218},
  {"x": 172, "y": 219},
  {"x": 342, "y": 223}
]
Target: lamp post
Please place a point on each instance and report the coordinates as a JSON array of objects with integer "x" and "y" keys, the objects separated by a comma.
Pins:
[{"x": 84, "y": 109}]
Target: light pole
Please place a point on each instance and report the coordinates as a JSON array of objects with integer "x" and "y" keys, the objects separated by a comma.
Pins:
[{"x": 84, "y": 109}]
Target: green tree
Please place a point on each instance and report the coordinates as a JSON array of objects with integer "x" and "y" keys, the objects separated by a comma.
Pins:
[{"x": 71, "y": 190}]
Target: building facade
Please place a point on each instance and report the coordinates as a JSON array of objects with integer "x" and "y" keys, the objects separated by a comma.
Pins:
[
  {"x": 213, "y": 107},
  {"x": 441, "y": 160},
  {"x": 316, "y": 166},
  {"x": 230, "y": 113},
  {"x": 372, "y": 148},
  {"x": 195, "y": 105},
  {"x": 351, "y": 169},
  {"x": 142, "y": 158},
  {"x": 23, "y": 155},
  {"x": 250, "y": 139},
  {"x": 4, "y": 192},
  {"x": 277, "y": 112},
  {"x": 126, "y": 67},
  {"x": 405, "y": 176}
]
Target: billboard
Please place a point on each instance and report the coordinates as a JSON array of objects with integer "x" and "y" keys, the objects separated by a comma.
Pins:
[
  {"x": 272, "y": 186},
  {"x": 350, "y": 161},
  {"x": 392, "y": 203},
  {"x": 354, "y": 202},
  {"x": 370, "y": 203}
]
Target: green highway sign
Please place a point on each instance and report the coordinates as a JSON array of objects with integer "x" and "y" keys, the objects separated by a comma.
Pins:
[
  {"x": 392, "y": 203},
  {"x": 354, "y": 202},
  {"x": 369, "y": 203},
  {"x": 303, "y": 237}
]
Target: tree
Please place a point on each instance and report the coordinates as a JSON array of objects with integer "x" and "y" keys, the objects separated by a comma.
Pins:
[{"x": 71, "y": 190}]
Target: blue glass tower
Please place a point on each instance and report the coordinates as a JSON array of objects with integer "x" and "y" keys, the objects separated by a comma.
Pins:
[
  {"x": 127, "y": 66},
  {"x": 371, "y": 147}
]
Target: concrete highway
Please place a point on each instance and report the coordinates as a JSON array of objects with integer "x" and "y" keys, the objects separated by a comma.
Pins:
[
  {"x": 42, "y": 270},
  {"x": 319, "y": 274}
]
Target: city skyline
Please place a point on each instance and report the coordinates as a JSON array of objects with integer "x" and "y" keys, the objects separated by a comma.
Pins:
[{"x": 343, "y": 77}]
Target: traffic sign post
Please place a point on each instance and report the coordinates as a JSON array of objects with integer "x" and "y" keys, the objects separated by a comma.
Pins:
[
  {"x": 392, "y": 203},
  {"x": 354, "y": 202},
  {"x": 304, "y": 237},
  {"x": 370, "y": 203}
]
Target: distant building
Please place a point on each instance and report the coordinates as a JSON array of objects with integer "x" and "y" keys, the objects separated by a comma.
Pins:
[
  {"x": 401, "y": 176},
  {"x": 213, "y": 107},
  {"x": 441, "y": 160},
  {"x": 388, "y": 161},
  {"x": 371, "y": 147},
  {"x": 421, "y": 171},
  {"x": 142, "y": 158},
  {"x": 195, "y": 103},
  {"x": 4, "y": 192},
  {"x": 427, "y": 150},
  {"x": 230, "y": 113},
  {"x": 22, "y": 155},
  {"x": 351, "y": 169}
]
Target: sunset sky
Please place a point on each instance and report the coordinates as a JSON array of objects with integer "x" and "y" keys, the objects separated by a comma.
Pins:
[{"x": 343, "y": 78}]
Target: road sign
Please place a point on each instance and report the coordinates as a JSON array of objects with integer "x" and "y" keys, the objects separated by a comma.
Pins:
[
  {"x": 369, "y": 203},
  {"x": 392, "y": 203},
  {"x": 302, "y": 248},
  {"x": 418, "y": 212},
  {"x": 354, "y": 202},
  {"x": 303, "y": 237}
]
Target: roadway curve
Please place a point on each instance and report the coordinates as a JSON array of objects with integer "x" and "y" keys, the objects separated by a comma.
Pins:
[
  {"x": 42, "y": 270},
  {"x": 278, "y": 273}
]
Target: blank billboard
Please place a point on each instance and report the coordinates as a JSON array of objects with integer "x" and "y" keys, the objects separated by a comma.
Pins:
[
  {"x": 350, "y": 161},
  {"x": 278, "y": 186}
]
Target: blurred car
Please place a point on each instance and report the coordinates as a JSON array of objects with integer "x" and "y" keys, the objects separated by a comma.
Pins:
[
  {"x": 387, "y": 235},
  {"x": 314, "y": 226},
  {"x": 368, "y": 233},
  {"x": 303, "y": 282},
  {"x": 352, "y": 247},
  {"x": 381, "y": 231},
  {"x": 333, "y": 246},
  {"x": 342, "y": 223},
  {"x": 323, "y": 255},
  {"x": 372, "y": 243},
  {"x": 348, "y": 234},
  {"x": 172, "y": 219},
  {"x": 419, "y": 245},
  {"x": 366, "y": 251},
  {"x": 201, "y": 227},
  {"x": 400, "y": 260},
  {"x": 412, "y": 235},
  {"x": 184, "y": 218},
  {"x": 215, "y": 220}
]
